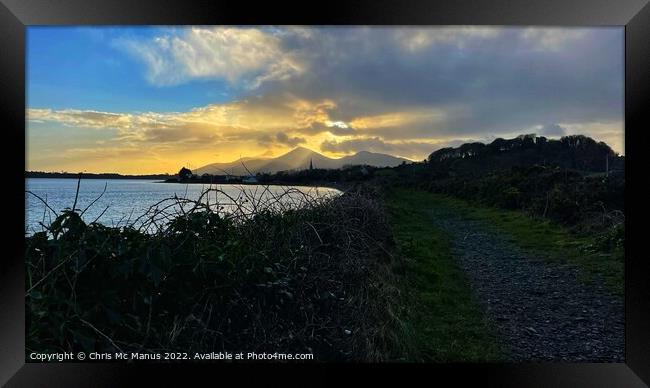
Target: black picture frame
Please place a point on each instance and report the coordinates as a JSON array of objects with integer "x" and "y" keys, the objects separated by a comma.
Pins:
[{"x": 15, "y": 15}]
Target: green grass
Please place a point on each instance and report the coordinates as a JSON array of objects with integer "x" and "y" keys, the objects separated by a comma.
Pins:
[
  {"x": 545, "y": 238},
  {"x": 443, "y": 318}
]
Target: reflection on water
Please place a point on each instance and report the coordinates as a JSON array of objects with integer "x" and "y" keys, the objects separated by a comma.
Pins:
[{"x": 119, "y": 202}]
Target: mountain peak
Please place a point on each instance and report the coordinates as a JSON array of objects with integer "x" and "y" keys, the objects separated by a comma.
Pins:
[
  {"x": 301, "y": 149},
  {"x": 300, "y": 158},
  {"x": 300, "y": 153}
]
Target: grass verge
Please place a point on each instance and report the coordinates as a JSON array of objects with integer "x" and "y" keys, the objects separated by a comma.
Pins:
[
  {"x": 443, "y": 319},
  {"x": 595, "y": 255}
]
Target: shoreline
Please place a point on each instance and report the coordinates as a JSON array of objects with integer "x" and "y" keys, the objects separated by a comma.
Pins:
[{"x": 342, "y": 187}]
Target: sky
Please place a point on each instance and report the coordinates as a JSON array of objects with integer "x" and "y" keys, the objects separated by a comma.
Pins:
[{"x": 141, "y": 100}]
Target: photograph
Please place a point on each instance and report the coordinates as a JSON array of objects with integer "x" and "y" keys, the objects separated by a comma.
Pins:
[{"x": 298, "y": 194}]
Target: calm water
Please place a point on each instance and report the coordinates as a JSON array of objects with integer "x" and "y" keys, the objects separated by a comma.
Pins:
[{"x": 125, "y": 200}]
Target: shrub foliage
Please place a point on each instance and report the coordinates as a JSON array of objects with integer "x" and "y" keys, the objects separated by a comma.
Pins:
[{"x": 309, "y": 279}]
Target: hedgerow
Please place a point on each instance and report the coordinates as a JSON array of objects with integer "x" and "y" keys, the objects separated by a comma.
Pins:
[{"x": 236, "y": 276}]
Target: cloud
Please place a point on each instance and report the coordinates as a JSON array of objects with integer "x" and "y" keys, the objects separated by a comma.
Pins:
[
  {"x": 408, "y": 149},
  {"x": 282, "y": 139},
  {"x": 414, "y": 39},
  {"x": 80, "y": 118},
  {"x": 552, "y": 38},
  {"x": 254, "y": 125},
  {"x": 552, "y": 130},
  {"x": 233, "y": 54},
  {"x": 475, "y": 79},
  {"x": 500, "y": 80},
  {"x": 143, "y": 127},
  {"x": 337, "y": 128},
  {"x": 608, "y": 131},
  {"x": 398, "y": 90}
]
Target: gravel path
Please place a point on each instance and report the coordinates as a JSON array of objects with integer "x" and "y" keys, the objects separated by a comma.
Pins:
[{"x": 539, "y": 308}]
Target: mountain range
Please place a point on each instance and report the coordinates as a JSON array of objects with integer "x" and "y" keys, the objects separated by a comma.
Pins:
[{"x": 299, "y": 159}]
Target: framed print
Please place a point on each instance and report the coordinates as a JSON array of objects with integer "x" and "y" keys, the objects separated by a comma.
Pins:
[{"x": 368, "y": 187}]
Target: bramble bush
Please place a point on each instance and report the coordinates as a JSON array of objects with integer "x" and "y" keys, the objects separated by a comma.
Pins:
[{"x": 311, "y": 279}]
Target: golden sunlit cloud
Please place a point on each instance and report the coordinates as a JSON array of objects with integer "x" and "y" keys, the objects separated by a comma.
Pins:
[
  {"x": 398, "y": 119},
  {"x": 611, "y": 133},
  {"x": 236, "y": 120},
  {"x": 396, "y": 90},
  {"x": 153, "y": 142}
]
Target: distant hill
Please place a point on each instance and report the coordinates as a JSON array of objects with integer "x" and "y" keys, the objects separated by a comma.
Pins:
[
  {"x": 575, "y": 180},
  {"x": 299, "y": 159},
  {"x": 575, "y": 152}
]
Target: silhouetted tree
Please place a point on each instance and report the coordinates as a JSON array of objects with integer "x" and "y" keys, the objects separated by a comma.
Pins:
[{"x": 184, "y": 173}]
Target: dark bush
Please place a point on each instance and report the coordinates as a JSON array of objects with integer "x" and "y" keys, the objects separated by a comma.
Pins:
[{"x": 313, "y": 279}]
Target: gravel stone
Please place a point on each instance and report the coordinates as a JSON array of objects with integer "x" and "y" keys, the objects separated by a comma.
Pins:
[{"x": 540, "y": 308}]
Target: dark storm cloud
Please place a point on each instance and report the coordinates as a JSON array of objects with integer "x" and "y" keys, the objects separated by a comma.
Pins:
[
  {"x": 496, "y": 81},
  {"x": 281, "y": 138},
  {"x": 400, "y": 90},
  {"x": 318, "y": 127},
  {"x": 408, "y": 149}
]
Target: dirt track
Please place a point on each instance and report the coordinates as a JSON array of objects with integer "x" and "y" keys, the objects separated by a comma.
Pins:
[{"x": 540, "y": 309}]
